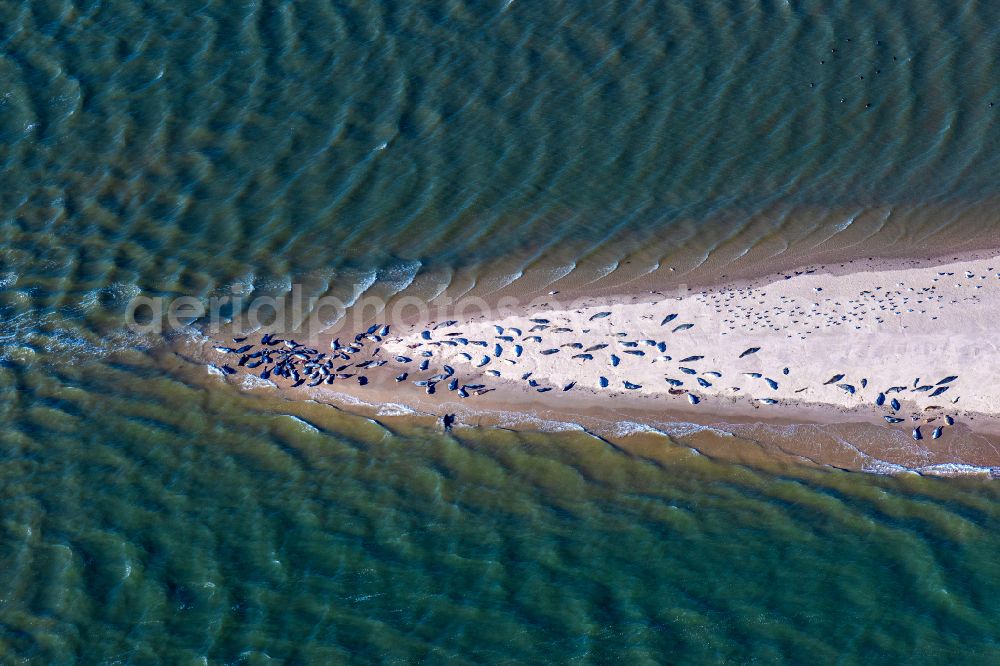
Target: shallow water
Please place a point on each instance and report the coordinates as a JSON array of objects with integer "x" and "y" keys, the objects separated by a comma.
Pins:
[
  {"x": 180, "y": 147},
  {"x": 184, "y": 148},
  {"x": 213, "y": 523}
]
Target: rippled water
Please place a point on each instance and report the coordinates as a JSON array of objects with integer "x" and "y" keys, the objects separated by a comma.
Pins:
[
  {"x": 146, "y": 518},
  {"x": 182, "y": 148}
]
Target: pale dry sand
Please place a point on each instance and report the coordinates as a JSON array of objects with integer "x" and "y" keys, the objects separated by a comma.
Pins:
[
  {"x": 912, "y": 326},
  {"x": 909, "y": 328}
]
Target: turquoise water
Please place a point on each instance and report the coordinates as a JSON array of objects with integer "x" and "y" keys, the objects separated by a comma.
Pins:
[{"x": 180, "y": 148}]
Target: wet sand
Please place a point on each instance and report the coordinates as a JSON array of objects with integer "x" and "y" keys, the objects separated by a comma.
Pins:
[{"x": 834, "y": 347}]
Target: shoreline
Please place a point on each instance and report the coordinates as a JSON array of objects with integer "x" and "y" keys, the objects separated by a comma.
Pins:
[
  {"x": 881, "y": 327},
  {"x": 649, "y": 267}
]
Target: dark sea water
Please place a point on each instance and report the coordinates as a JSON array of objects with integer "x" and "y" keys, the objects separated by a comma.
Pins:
[{"x": 181, "y": 148}]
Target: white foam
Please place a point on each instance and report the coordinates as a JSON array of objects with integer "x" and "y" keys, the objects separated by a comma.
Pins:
[
  {"x": 302, "y": 422},
  {"x": 85, "y": 302},
  {"x": 382, "y": 409},
  {"x": 875, "y": 466},
  {"x": 686, "y": 429},
  {"x": 401, "y": 276},
  {"x": 251, "y": 382},
  {"x": 693, "y": 428},
  {"x": 604, "y": 271},
  {"x": 363, "y": 284},
  {"x": 627, "y": 428},
  {"x": 395, "y": 409},
  {"x": 240, "y": 287},
  {"x": 846, "y": 223},
  {"x": 515, "y": 420},
  {"x": 282, "y": 284},
  {"x": 123, "y": 292},
  {"x": 500, "y": 281},
  {"x": 953, "y": 469},
  {"x": 559, "y": 272},
  {"x": 23, "y": 334}
]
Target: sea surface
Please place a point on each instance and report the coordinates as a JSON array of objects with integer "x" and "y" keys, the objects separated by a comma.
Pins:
[{"x": 151, "y": 513}]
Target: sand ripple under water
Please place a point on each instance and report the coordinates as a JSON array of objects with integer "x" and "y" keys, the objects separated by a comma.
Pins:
[{"x": 153, "y": 513}]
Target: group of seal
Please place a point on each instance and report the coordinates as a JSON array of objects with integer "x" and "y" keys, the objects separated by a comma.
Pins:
[
  {"x": 511, "y": 342},
  {"x": 286, "y": 358},
  {"x": 298, "y": 363},
  {"x": 294, "y": 361}
]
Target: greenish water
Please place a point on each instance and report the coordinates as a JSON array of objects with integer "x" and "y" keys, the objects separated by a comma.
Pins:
[
  {"x": 179, "y": 148},
  {"x": 187, "y": 523}
]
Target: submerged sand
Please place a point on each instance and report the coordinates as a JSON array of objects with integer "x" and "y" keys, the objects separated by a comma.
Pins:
[{"x": 798, "y": 349}]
